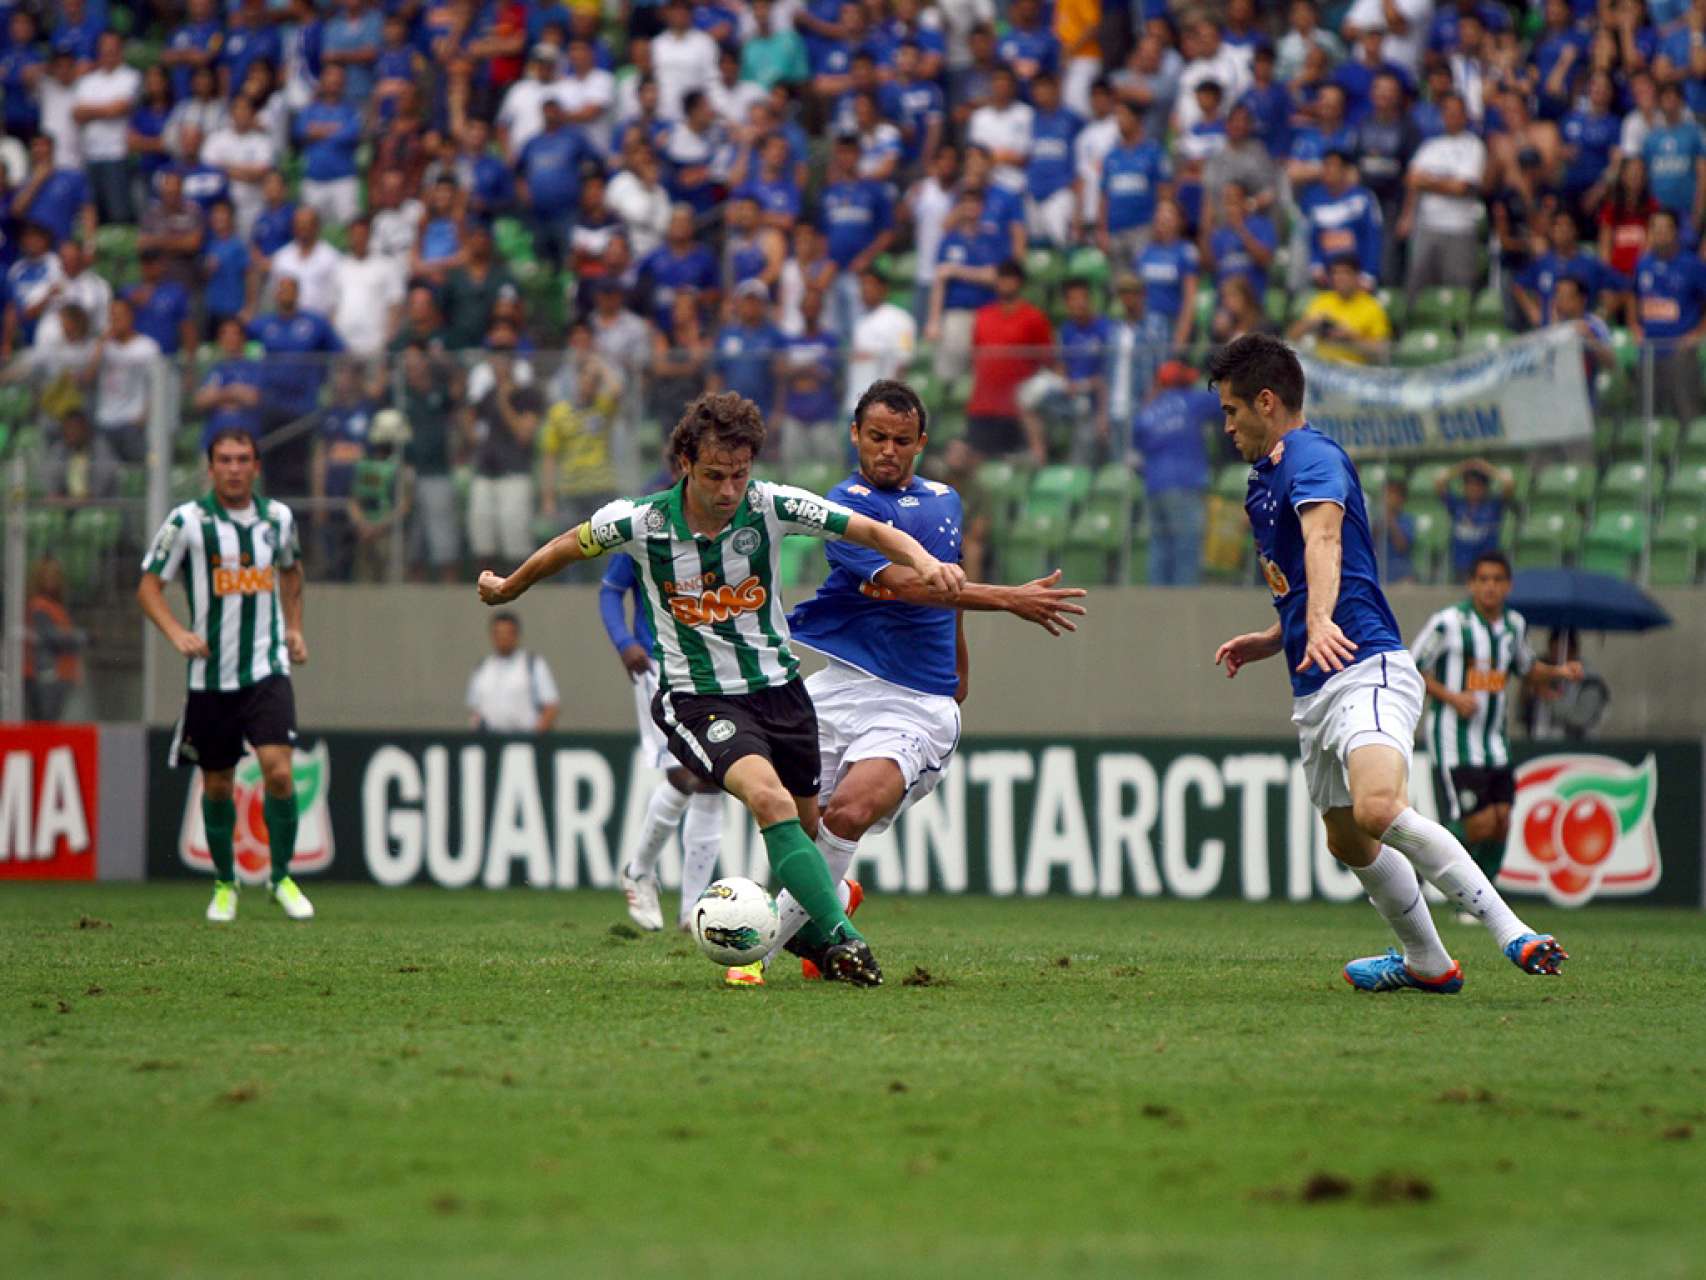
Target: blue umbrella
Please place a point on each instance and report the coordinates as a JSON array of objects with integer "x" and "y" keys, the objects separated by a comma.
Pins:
[{"x": 1585, "y": 601}]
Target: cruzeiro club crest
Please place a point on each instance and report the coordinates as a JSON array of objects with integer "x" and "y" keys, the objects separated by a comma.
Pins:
[
  {"x": 313, "y": 774},
  {"x": 1582, "y": 826}
]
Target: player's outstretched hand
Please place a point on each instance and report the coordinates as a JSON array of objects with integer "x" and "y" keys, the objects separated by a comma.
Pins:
[
  {"x": 190, "y": 645},
  {"x": 296, "y": 645},
  {"x": 493, "y": 589},
  {"x": 1042, "y": 602},
  {"x": 1252, "y": 646},
  {"x": 1328, "y": 649}
]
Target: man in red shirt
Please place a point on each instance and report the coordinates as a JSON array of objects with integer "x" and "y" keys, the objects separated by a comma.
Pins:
[{"x": 1010, "y": 341}]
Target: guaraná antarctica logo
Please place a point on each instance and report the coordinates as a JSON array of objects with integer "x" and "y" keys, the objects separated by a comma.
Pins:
[
  {"x": 1582, "y": 826},
  {"x": 313, "y": 776}
]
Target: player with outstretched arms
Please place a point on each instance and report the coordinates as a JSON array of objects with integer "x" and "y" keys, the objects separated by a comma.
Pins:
[
  {"x": 730, "y": 700},
  {"x": 237, "y": 554},
  {"x": 887, "y": 703},
  {"x": 1356, "y": 692}
]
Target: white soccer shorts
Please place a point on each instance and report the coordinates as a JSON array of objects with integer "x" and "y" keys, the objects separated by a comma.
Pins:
[
  {"x": 654, "y": 747},
  {"x": 1378, "y": 700},
  {"x": 860, "y": 717}
]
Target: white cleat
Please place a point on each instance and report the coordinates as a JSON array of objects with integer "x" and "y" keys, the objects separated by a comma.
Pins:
[
  {"x": 223, "y": 908},
  {"x": 292, "y": 899},
  {"x": 642, "y": 895}
]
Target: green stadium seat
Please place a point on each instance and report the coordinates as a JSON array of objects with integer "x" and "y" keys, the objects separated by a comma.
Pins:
[
  {"x": 1094, "y": 544},
  {"x": 1686, "y": 490},
  {"x": 1059, "y": 490},
  {"x": 1232, "y": 481},
  {"x": 1206, "y": 300},
  {"x": 1613, "y": 542},
  {"x": 947, "y": 423},
  {"x": 1392, "y": 301},
  {"x": 1546, "y": 539},
  {"x": 1420, "y": 347},
  {"x": 1116, "y": 491},
  {"x": 1029, "y": 546},
  {"x": 91, "y": 537},
  {"x": 1631, "y": 443},
  {"x": 1430, "y": 548},
  {"x": 1277, "y": 304},
  {"x": 1693, "y": 446},
  {"x": 1445, "y": 307},
  {"x": 899, "y": 268},
  {"x": 1562, "y": 486},
  {"x": 1005, "y": 484},
  {"x": 1423, "y": 485},
  {"x": 514, "y": 241},
  {"x": 819, "y": 477},
  {"x": 1626, "y": 487},
  {"x": 1088, "y": 264},
  {"x": 1482, "y": 339},
  {"x": 1676, "y": 549},
  {"x": 1625, "y": 349},
  {"x": 1522, "y": 478},
  {"x": 1376, "y": 474},
  {"x": 1045, "y": 267},
  {"x": 1137, "y": 562},
  {"x": 1488, "y": 310}
]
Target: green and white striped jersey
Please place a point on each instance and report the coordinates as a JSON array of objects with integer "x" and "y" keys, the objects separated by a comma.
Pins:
[
  {"x": 1467, "y": 654},
  {"x": 229, "y": 560},
  {"x": 713, "y": 602}
]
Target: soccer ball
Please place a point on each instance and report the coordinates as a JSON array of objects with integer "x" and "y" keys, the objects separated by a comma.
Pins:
[{"x": 736, "y": 921}]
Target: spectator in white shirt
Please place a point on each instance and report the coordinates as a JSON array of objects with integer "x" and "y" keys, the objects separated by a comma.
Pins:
[
  {"x": 683, "y": 59},
  {"x": 929, "y": 204},
  {"x": 396, "y": 220},
  {"x": 884, "y": 338},
  {"x": 1003, "y": 128},
  {"x": 245, "y": 153},
  {"x": 369, "y": 292},
  {"x": 638, "y": 197},
  {"x": 126, "y": 361},
  {"x": 521, "y": 117},
  {"x": 56, "y": 100},
  {"x": 511, "y": 690},
  {"x": 101, "y": 105},
  {"x": 311, "y": 262},
  {"x": 588, "y": 94},
  {"x": 1305, "y": 30},
  {"x": 1405, "y": 23},
  {"x": 1442, "y": 204},
  {"x": 731, "y": 97},
  {"x": 1208, "y": 59},
  {"x": 77, "y": 286}
]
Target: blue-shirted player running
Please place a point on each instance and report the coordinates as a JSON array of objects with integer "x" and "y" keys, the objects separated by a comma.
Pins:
[
  {"x": 1356, "y": 693},
  {"x": 888, "y": 712},
  {"x": 678, "y": 792}
]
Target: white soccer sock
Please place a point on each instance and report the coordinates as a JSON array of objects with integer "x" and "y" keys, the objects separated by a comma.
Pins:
[
  {"x": 1445, "y": 864},
  {"x": 701, "y": 843},
  {"x": 838, "y": 854},
  {"x": 1394, "y": 891},
  {"x": 663, "y": 814}
]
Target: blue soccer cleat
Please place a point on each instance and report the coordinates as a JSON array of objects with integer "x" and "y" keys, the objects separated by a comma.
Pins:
[
  {"x": 1537, "y": 953},
  {"x": 1390, "y": 973}
]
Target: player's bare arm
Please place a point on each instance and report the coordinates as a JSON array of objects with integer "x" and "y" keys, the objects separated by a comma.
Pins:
[
  {"x": 1462, "y": 703},
  {"x": 1545, "y": 672},
  {"x": 151, "y": 595},
  {"x": 947, "y": 580},
  {"x": 1328, "y": 649},
  {"x": 290, "y": 601},
  {"x": 1252, "y": 646},
  {"x": 1040, "y": 600},
  {"x": 569, "y": 547}
]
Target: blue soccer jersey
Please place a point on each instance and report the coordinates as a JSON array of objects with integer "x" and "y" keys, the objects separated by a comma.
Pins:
[
  {"x": 1307, "y": 467},
  {"x": 851, "y": 620}
]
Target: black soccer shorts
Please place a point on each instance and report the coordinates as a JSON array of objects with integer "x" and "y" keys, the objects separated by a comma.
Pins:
[
  {"x": 212, "y": 729},
  {"x": 708, "y": 733},
  {"x": 1471, "y": 788}
]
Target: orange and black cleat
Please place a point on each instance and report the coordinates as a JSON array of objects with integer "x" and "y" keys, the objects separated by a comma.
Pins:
[{"x": 809, "y": 970}]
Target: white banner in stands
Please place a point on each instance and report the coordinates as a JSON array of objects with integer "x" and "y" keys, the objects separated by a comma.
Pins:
[{"x": 1532, "y": 391}]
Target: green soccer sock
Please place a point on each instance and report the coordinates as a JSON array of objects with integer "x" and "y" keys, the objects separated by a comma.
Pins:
[
  {"x": 219, "y": 820},
  {"x": 800, "y": 867},
  {"x": 812, "y": 937},
  {"x": 280, "y": 812}
]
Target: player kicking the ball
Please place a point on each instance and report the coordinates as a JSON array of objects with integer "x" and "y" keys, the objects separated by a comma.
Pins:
[
  {"x": 238, "y": 556},
  {"x": 887, "y": 704},
  {"x": 1356, "y": 693},
  {"x": 730, "y": 700}
]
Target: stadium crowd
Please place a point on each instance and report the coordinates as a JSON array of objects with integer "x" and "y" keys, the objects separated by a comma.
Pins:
[{"x": 532, "y": 229}]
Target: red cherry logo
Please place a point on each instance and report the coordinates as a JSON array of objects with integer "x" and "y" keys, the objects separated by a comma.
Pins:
[
  {"x": 1568, "y": 882},
  {"x": 1588, "y": 831},
  {"x": 1539, "y": 831}
]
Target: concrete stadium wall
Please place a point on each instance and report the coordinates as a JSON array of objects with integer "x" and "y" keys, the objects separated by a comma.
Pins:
[{"x": 399, "y": 658}]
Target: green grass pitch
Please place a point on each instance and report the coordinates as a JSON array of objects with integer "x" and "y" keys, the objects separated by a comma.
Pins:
[{"x": 497, "y": 1084}]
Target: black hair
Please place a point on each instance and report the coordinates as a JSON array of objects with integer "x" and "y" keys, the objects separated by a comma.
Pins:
[
  {"x": 505, "y": 615},
  {"x": 1258, "y": 362},
  {"x": 1490, "y": 557},
  {"x": 232, "y": 433},
  {"x": 1074, "y": 282},
  {"x": 727, "y": 417},
  {"x": 1345, "y": 260},
  {"x": 1011, "y": 267},
  {"x": 896, "y": 395},
  {"x": 691, "y": 100}
]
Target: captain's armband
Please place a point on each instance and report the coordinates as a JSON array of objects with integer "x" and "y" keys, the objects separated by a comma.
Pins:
[{"x": 587, "y": 538}]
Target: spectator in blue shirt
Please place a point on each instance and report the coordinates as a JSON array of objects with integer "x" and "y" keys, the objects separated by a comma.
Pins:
[
  {"x": 53, "y": 197},
  {"x": 916, "y": 105},
  {"x": 1675, "y": 152},
  {"x": 547, "y": 182},
  {"x": 1311, "y": 144},
  {"x": 340, "y": 442},
  {"x": 1168, "y": 439},
  {"x": 36, "y": 269},
  {"x": 329, "y": 131},
  {"x": 811, "y": 385},
  {"x": 747, "y": 355},
  {"x": 271, "y": 229},
  {"x": 1132, "y": 174},
  {"x": 21, "y": 65},
  {"x": 1342, "y": 217},
  {"x": 857, "y": 219},
  {"x": 1670, "y": 314},
  {"x": 1086, "y": 343},
  {"x": 164, "y": 310},
  {"x": 1475, "y": 513},
  {"x": 1243, "y": 241},
  {"x": 772, "y": 188},
  {"x": 1051, "y": 175},
  {"x": 1029, "y": 48},
  {"x": 1535, "y": 286},
  {"x": 351, "y": 39},
  {"x": 224, "y": 270},
  {"x": 680, "y": 265},
  {"x": 966, "y": 259},
  {"x": 1269, "y": 103},
  {"x": 78, "y": 33},
  {"x": 195, "y": 44},
  {"x": 1395, "y": 535},
  {"x": 1679, "y": 59},
  {"x": 1559, "y": 55},
  {"x": 251, "y": 38},
  {"x": 298, "y": 344},
  {"x": 1169, "y": 268},
  {"x": 230, "y": 395},
  {"x": 1591, "y": 134}
]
